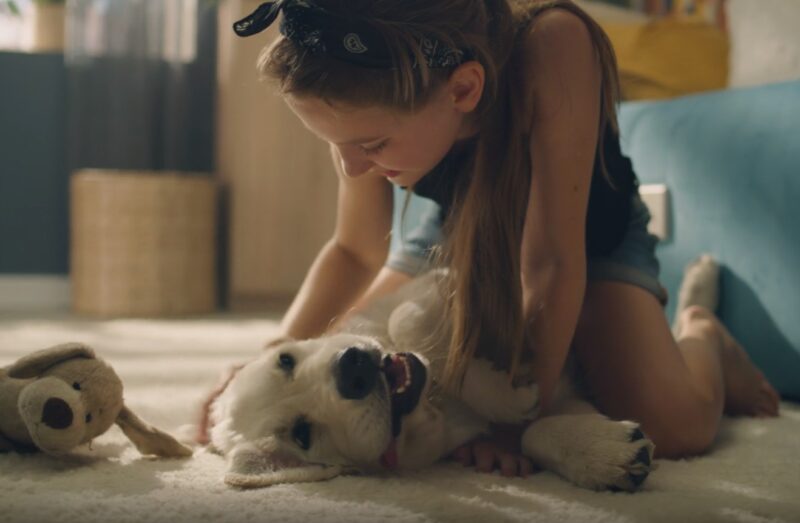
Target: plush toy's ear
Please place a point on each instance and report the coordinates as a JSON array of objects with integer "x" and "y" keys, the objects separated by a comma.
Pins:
[
  {"x": 34, "y": 364},
  {"x": 148, "y": 439},
  {"x": 251, "y": 467}
]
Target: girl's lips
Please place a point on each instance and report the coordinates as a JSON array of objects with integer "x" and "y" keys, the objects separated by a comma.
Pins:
[{"x": 391, "y": 174}]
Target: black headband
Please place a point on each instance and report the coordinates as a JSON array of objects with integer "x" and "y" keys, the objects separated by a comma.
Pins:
[{"x": 344, "y": 38}]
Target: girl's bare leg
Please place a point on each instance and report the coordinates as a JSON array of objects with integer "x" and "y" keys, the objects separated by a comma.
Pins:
[
  {"x": 678, "y": 389},
  {"x": 698, "y": 298},
  {"x": 677, "y": 386}
]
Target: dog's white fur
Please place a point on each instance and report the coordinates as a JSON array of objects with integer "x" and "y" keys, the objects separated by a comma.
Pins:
[{"x": 255, "y": 415}]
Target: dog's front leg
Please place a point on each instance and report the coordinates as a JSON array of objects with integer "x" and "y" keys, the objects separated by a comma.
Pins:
[{"x": 590, "y": 450}]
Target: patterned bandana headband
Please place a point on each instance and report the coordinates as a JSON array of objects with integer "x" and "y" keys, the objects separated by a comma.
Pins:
[{"x": 344, "y": 38}]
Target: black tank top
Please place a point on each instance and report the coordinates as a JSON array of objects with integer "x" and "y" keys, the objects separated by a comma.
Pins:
[{"x": 609, "y": 205}]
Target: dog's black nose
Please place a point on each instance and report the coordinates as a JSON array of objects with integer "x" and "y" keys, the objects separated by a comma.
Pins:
[
  {"x": 56, "y": 414},
  {"x": 356, "y": 373}
]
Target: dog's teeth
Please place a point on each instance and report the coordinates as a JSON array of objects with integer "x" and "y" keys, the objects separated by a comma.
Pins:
[{"x": 407, "y": 367}]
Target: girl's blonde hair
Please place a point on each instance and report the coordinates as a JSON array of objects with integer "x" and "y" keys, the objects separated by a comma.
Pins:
[{"x": 485, "y": 223}]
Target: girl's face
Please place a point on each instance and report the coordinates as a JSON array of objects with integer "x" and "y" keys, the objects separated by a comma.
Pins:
[{"x": 400, "y": 146}]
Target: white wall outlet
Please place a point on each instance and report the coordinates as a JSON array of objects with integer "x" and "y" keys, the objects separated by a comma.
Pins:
[{"x": 656, "y": 197}]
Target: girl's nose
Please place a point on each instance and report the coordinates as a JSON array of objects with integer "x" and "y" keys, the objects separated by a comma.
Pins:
[{"x": 354, "y": 162}]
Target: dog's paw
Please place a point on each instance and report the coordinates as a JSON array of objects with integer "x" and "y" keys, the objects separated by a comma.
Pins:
[
  {"x": 592, "y": 451},
  {"x": 637, "y": 469},
  {"x": 490, "y": 393}
]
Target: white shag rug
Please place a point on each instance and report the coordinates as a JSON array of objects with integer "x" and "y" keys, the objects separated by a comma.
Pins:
[{"x": 752, "y": 475}]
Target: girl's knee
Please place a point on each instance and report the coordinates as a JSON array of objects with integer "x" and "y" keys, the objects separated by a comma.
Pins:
[{"x": 689, "y": 436}]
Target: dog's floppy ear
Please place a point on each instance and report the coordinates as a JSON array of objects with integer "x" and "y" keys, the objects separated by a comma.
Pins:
[
  {"x": 34, "y": 364},
  {"x": 253, "y": 467},
  {"x": 149, "y": 440}
]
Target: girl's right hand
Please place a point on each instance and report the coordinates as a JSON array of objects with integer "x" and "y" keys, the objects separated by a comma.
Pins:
[
  {"x": 204, "y": 423},
  {"x": 500, "y": 450}
]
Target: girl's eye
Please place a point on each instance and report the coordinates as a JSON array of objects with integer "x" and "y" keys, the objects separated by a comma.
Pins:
[
  {"x": 286, "y": 362},
  {"x": 374, "y": 150},
  {"x": 301, "y": 434}
]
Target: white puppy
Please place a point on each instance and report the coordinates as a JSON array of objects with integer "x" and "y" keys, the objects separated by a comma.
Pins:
[{"x": 367, "y": 400}]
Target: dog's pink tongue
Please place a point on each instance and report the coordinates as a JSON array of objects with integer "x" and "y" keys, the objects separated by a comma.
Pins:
[{"x": 389, "y": 457}]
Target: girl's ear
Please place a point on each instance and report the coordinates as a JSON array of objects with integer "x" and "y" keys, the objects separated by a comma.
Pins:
[
  {"x": 34, "y": 364},
  {"x": 465, "y": 86},
  {"x": 252, "y": 467}
]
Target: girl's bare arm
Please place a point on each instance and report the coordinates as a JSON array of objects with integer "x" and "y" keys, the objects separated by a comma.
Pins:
[
  {"x": 565, "y": 83},
  {"x": 564, "y": 110},
  {"x": 349, "y": 262}
]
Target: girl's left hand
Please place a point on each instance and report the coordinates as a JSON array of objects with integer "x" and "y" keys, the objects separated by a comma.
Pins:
[{"x": 501, "y": 449}]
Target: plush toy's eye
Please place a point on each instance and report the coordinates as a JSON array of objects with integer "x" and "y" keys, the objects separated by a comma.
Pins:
[
  {"x": 76, "y": 386},
  {"x": 286, "y": 362},
  {"x": 88, "y": 418},
  {"x": 301, "y": 433}
]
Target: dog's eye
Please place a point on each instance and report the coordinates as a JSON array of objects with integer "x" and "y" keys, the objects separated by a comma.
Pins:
[
  {"x": 286, "y": 362},
  {"x": 88, "y": 418},
  {"x": 76, "y": 386},
  {"x": 301, "y": 434}
]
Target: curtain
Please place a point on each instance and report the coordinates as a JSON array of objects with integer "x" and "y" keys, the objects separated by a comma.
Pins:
[{"x": 141, "y": 82}]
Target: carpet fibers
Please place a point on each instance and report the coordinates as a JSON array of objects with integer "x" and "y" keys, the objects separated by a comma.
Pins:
[{"x": 751, "y": 476}]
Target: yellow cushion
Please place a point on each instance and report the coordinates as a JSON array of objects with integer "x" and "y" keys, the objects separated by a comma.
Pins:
[{"x": 669, "y": 57}]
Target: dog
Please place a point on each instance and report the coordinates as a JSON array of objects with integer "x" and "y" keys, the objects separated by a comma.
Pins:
[{"x": 367, "y": 400}]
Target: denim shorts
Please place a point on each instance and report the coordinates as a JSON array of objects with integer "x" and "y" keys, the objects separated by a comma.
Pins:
[{"x": 417, "y": 229}]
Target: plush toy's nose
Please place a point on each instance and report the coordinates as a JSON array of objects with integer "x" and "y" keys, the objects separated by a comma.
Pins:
[
  {"x": 356, "y": 373},
  {"x": 56, "y": 414}
]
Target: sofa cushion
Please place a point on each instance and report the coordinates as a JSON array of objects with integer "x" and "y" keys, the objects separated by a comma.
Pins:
[
  {"x": 731, "y": 160},
  {"x": 669, "y": 57}
]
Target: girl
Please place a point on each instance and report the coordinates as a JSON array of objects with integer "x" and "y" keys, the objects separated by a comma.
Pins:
[{"x": 503, "y": 113}]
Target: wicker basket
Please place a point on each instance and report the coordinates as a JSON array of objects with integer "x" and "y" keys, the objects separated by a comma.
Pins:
[{"x": 142, "y": 243}]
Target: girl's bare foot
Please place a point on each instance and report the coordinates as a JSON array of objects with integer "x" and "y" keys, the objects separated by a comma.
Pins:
[
  {"x": 700, "y": 286},
  {"x": 747, "y": 391}
]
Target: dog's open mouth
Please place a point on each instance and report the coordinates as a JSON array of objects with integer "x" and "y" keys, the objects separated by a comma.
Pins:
[{"x": 406, "y": 376}]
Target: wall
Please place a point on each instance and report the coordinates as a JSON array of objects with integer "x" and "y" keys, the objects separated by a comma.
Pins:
[
  {"x": 33, "y": 171},
  {"x": 281, "y": 180}
]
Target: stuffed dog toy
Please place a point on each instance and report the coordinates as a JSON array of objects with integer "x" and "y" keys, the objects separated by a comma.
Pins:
[
  {"x": 56, "y": 399},
  {"x": 367, "y": 400}
]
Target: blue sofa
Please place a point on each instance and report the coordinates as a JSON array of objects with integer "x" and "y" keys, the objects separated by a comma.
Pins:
[{"x": 731, "y": 160}]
